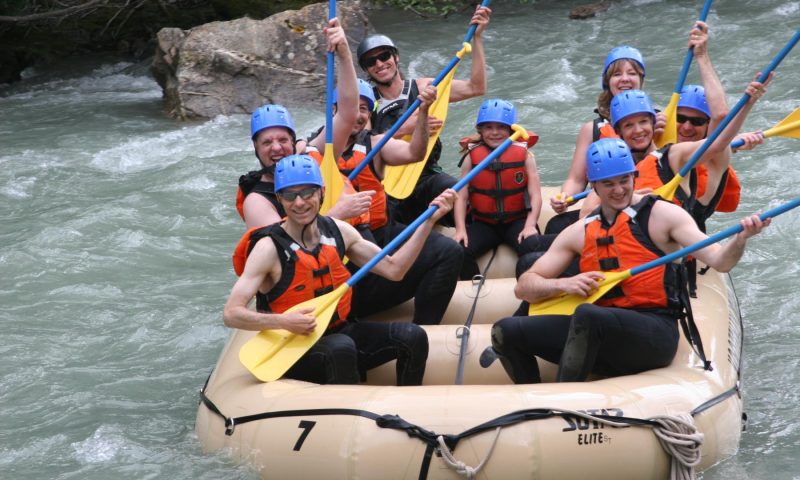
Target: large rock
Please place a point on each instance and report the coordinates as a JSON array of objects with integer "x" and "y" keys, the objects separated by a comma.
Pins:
[
  {"x": 589, "y": 10},
  {"x": 237, "y": 66}
]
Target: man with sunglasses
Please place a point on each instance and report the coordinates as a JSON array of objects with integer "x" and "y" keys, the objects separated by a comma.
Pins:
[
  {"x": 300, "y": 259},
  {"x": 379, "y": 59}
]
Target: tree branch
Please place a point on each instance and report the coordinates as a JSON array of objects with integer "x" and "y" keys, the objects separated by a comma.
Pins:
[{"x": 35, "y": 17}]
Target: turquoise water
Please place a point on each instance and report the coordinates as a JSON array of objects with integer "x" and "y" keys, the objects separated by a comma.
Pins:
[{"x": 118, "y": 225}]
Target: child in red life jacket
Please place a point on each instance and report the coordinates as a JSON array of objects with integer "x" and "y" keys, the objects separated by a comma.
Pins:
[{"x": 502, "y": 203}]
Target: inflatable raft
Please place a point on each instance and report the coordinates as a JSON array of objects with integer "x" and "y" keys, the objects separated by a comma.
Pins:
[{"x": 633, "y": 427}]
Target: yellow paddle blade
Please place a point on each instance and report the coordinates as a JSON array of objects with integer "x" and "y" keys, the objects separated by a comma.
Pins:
[
  {"x": 271, "y": 353},
  {"x": 399, "y": 180},
  {"x": 788, "y": 127},
  {"x": 566, "y": 304},
  {"x": 667, "y": 191},
  {"x": 334, "y": 184},
  {"x": 670, "y": 133}
]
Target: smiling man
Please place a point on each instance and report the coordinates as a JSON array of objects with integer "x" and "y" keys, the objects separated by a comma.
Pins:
[
  {"x": 634, "y": 326},
  {"x": 300, "y": 259},
  {"x": 380, "y": 60}
]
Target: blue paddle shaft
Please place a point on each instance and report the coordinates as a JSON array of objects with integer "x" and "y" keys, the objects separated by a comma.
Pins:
[
  {"x": 409, "y": 230},
  {"x": 474, "y": 26},
  {"x": 739, "y": 105},
  {"x": 413, "y": 107},
  {"x": 329, "y": 83},
  {"x": 687, "y": 61},
  {"x": 713, "y": 239}
]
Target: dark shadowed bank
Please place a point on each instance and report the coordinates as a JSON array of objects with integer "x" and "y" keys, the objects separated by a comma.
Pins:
[{"x": 38, "y": 32}]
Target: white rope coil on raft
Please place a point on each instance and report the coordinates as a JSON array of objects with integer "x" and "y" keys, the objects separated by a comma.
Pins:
[
  {"x": 461, "y": 467},
  {"x": 677, "y": 435}
]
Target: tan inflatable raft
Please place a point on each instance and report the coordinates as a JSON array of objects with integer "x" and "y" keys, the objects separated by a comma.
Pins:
[{"x": 486, "y": 428}]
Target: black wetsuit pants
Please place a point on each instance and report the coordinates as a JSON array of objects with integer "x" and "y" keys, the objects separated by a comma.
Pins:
[
  {"x": 604, "y": 340},
  {"x": 431, "y": 280},
  {"x": 483, "y": 237},
  {"x": 429, "y": 186},
  {"x": 344, "y": 357}
]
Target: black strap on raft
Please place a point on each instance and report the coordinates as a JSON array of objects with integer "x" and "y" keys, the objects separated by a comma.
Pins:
[
  {"x": 429, "y": 437},
  {"x": 688, "y": 325}
]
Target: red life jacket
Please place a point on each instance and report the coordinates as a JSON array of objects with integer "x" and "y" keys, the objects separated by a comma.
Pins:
[
  {"x": 727, "y": 197},
  {"x": 654, "y": 171},
  {"x": 602, "y": 128},
  {"x": 497, "y": 194},
  {"x": 367, "y": 179},
  {"x": 624, "y": 245},
  {"x": 305, "y": 274},
  {"x": 251, "y": 183},
  {"x": 362, "y": 219}
]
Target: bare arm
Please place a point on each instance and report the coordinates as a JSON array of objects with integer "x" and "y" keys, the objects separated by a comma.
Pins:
[
  {"x": 347, "y": 101},
  {"x": 576, "y": 178},
  {"x": 398, "y": 152},
  {"x": 394, "y": 267},
  {"x": 541, "y": 282},
  {"x": 259, "y": 212},
  {"x": 476, "y": 85},
  {"x": 715, "y": 94},
  {"x": 460, "y": 209},
  {"x": 535, "y": 196},
  {"x": 262, "y": 264}
]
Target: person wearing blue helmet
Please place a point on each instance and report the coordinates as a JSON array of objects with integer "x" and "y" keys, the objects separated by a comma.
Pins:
[
  {"x": 274, "y": 136},
  {"x": 432, "y": 279},
  {"x": 634, "y": 327},
  {"x": 623, "y": 69},
  {"x": 379, "y": 59},
  {"x": 301, "y": 258},
  {"x": 502, "y": 203}
]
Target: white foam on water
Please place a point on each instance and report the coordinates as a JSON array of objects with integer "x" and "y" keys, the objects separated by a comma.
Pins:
[
  {"x": 787, "y": 9},
  {"x": 196, "y": 184},
  {"x": 19, "y": 187},
  {"x": 156, "y": 152},
  {"x": 104, "y": 444},
  {"x": 37, "y": 451}
]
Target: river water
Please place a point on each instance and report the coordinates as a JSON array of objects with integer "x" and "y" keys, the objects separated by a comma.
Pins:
[{"x": 118, "y": 223}]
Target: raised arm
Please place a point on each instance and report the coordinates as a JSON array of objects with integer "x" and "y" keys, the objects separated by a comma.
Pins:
[
  {"x": 398, "y": 152},
  {"x": 476, "y": 85},
  {"x": 394, "y": 267},
  {"x": 347, "y": 86},
  {"x": 715, "y": 94}
]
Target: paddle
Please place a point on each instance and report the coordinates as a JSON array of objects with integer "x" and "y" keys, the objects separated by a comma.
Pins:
[
  {"x": 271, "y": 353},
  {"x": 566, "y": 304},
  {"x": 466, "y": 48},
  {"x": 334, "y": 185},
  {"x": 399, "y": 180},
  {"x": 788, "y": 127},
  {"x": 667, "y": 191},
  {"x": 670, "y": 133}
]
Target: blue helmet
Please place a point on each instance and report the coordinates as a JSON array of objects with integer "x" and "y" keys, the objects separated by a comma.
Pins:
[
  {"x": 496, "y": 110},
  {"x": 364, "y": 90},
  {"x": 694, "y": 96},
  {"x": 629, "y": 102},
  {"x": 297, "y": 170},
  {"x": 271, "y": 115},
  {"x": 608, "y": 158},
  {"x": 619, "y": 53}
]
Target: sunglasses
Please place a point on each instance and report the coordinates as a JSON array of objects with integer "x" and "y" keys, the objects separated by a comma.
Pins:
[
  {"x": 305, "y": 194},
  {"x": 371, "y": 61},
  {"x": 695, "y": 121}
]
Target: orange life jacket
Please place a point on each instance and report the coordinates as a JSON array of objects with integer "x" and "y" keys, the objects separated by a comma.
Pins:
[
  {"x": 367, "y": 179},
  {"x": 727, "y": 197},
  {"x": 498, "y": 193},
  {"x": 602, "y": 128},
  {"x": 362, "y": 219},
  {"x": 624, "y": 245},
  {"x": 654, "y": 171},
  {"x": 251, "y": 183},
  {"x": 305, "y": 274}
]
